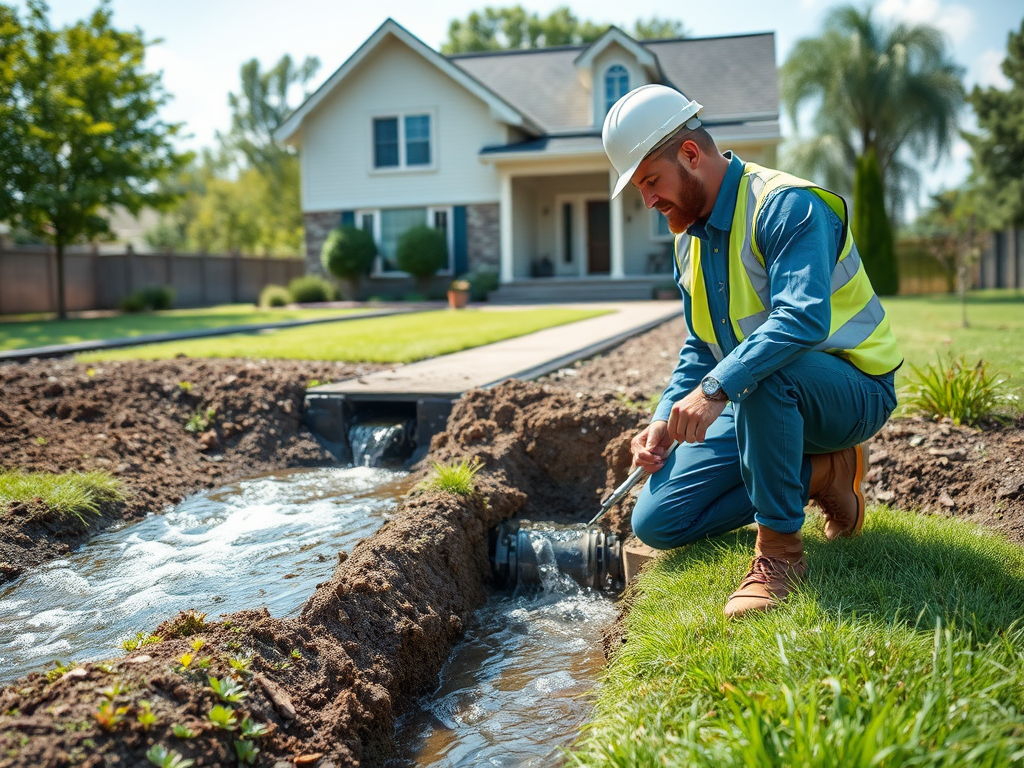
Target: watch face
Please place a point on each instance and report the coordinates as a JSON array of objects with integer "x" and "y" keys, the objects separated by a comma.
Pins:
[{"x": 710, "y": 386}]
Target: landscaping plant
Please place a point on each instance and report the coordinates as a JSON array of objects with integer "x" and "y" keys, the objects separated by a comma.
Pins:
[
  {"x": 348, "y": 254},
  {"x": 274, "y": 296},
  {"x": 421, "y": 252},
  {"x": 966, "y": 394},
  {"x": 457, "y": 477},
  {"x": 310, "y": 289}
]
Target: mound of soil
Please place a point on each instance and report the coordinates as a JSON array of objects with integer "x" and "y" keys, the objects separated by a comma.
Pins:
[
  {"x": 936, "y": 466},
  {"x": 328, "y": 684},
  {"x": 131, "y": 419}
]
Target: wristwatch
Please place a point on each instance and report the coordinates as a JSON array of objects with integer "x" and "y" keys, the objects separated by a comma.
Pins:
[{"x": 712, "y": 389}]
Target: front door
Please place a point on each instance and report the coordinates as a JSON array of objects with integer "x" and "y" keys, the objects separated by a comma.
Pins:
[{"x": 599, "y": 261}]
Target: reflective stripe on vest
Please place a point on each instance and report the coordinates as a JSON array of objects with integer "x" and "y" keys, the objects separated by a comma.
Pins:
[{"x": 859, "y": 328}]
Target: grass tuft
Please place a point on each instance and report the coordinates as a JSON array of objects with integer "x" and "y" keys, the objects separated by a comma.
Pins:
[
  {"x": 966, "y": 394},
  {"x": 903, "y": 648},
  {"x": 456, "y": 477},
  {"x": 73, "y": 493}
]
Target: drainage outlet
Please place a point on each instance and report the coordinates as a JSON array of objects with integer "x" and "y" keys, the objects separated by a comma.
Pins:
[{"x": 536, "y": 555}]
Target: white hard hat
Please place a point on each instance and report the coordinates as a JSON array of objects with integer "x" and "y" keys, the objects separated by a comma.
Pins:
[{"x": 639, "y": 122}]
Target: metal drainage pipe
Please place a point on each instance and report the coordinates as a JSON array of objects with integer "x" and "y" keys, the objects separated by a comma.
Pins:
[{"x": 540, "y": 555}]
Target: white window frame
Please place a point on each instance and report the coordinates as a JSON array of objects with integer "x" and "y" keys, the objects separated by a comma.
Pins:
[
  {"x": 378, "y": 260},
  {"x": 604, "y": 83},
  {"x": 402, "y": 167},
  {"x": 656, "y": 236}
]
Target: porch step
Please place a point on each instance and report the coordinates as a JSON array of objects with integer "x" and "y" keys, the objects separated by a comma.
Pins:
[{"x": 558, "y": 290}]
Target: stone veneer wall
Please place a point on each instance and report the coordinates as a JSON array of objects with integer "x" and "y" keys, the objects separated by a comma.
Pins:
[
  {"x": 317, "y": 225},
  {"x": 483, "y": 236}
]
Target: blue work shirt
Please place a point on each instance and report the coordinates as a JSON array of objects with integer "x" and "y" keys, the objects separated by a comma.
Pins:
[{"x": 799, "y": 237}]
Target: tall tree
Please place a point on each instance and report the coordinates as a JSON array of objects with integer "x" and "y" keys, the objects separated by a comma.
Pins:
[
  {"x": 871, "y": 228},
  {"x": 513, "y": 27},
  {"x": 81, "y": 127},
  {"x": 999, "y": 147},
  {"x": 888, "y": 88}
]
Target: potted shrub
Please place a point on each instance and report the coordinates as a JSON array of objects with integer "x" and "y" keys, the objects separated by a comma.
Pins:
[
  {"x": 458, "y": 294},
  {"x": 348, "y": 254},
  {"x": 421, "y": 252}
]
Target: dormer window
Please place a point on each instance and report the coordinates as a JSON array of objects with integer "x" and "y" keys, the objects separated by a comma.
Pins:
[{"x": 616, "y": 85}]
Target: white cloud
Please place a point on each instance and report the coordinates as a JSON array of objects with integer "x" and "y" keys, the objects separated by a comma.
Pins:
[
  {"x": 955, "y": 20},
  {"x": 987, "y": 70}
]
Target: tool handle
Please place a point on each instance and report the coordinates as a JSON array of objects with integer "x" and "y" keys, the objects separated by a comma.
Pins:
[{"x": 625, "y": 488}]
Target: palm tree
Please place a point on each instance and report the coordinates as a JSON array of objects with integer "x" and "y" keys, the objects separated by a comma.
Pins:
[{"x": 890, "y": 88}]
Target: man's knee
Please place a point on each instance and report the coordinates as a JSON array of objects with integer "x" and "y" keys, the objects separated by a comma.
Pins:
[{"x": 659, "y": 522}]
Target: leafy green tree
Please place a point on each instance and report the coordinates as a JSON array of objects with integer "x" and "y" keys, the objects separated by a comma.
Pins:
[
  {"x": 244, "y": 196},
  {"x": 954, "y": 228},
  {"x": 513, "y": 27},
  {"x": 888, "y": 88},
  {"x": 999, "y": 147},
  {"x": 81, "y": 132},
  {"x": 871, "y": 228}
]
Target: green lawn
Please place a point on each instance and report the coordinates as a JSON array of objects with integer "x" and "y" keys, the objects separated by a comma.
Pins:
[
  {"x": 24, "y": 334},
  {"x": 905, "y": 647},
  {"x": 395, "y": 339},
  {"x": 74, "y": 493},
  {"x": 927, "y": 326}
]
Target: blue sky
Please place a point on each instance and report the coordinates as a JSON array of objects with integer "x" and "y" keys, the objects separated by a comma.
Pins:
[{"x": 206, "y": 41}]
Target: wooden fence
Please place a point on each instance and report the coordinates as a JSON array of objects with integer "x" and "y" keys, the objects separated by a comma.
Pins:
[{"x": 28, "y": 278}]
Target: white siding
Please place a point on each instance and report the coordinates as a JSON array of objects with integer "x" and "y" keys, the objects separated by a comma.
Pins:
[{"x": 337, "y": 147}]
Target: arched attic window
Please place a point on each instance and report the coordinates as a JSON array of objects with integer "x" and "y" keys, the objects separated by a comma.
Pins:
[{"x": 616, "y": 85}]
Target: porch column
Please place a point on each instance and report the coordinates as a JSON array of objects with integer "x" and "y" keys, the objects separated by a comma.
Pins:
[
  {"x": 618, "y": 242},
  {"x": 507, "y": 272}
]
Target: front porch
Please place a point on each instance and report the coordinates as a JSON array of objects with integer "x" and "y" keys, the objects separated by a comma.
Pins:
[{"x": 560, "y": 231}]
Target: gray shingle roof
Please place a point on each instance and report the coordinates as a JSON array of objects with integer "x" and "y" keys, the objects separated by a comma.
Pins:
[{"x": 733, "y": 77}]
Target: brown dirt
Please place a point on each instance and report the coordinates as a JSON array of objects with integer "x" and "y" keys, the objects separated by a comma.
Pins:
[
  {"x": 371, "y": 638},
  {"x": 937, "y": 467},
  {"x": 129, "y": 418},
  {"x": 374, "y": 635}
]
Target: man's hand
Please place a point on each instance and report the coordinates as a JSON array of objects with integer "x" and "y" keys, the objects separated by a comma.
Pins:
[
  {"x": 691, "y": 417},
  {"x": 650, "y": 446}
]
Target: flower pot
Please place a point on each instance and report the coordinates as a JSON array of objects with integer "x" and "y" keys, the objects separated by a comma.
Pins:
[{"x": 458, "y": 299}]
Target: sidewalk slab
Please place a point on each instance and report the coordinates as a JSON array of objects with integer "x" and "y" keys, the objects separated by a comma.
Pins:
[{"x": 524, "y": 357}]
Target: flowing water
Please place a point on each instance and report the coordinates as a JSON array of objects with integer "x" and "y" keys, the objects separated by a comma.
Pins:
[
  {"x": 372, "y": 441},
  {"x": 516, "y": 690},
  {"x": 263, "y": 542}
]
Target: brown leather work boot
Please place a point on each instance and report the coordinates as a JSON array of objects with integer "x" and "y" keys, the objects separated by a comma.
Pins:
[
  {"x": 778, "y": 566},
  {"x": 836, "y": 480}
]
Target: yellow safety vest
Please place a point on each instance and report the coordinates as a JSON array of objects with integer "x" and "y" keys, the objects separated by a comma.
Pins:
[{"x": 860, "y": 329}]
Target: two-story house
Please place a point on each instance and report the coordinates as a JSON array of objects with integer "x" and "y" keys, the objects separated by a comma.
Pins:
[{"x": 503, "y": 152}]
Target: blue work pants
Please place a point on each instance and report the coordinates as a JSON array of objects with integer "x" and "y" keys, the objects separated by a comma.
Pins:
[{"x": 754, "y": 465}]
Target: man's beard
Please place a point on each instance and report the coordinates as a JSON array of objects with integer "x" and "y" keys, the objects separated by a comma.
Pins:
[{"x": 693, "y": 196}]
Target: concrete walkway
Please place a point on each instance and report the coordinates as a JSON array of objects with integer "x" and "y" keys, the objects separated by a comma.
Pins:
[
  {"x": 524, "y": 357},
  {"x": 59, "y": 350}
]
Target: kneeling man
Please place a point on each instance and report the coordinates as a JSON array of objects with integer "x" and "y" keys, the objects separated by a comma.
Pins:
[{"x": 789, "y": 361}]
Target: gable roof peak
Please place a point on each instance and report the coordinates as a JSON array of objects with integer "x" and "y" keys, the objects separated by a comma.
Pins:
[
  {"x": 500, "y": 108},
  {"x": 613, "y": 35}
]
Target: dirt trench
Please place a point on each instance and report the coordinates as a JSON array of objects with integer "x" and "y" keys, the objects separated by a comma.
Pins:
[
  {"x": 329, "y": 683},
  {"x": 132, "y": 419}
]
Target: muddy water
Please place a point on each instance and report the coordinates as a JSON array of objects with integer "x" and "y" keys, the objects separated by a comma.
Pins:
[
  {"x": 515, "y": 691},
  {"x": 262, "y": 542}
]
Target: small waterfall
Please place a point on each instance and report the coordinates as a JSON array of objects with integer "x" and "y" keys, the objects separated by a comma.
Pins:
[{"x": 372, "y": 440}]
